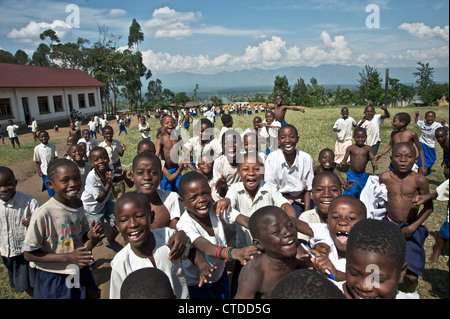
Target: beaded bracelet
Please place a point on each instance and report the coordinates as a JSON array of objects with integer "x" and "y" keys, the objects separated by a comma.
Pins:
[{"x": 223, "y": 252}]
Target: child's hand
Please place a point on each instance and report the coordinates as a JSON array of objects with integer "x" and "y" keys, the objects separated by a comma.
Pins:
[
  {"x": 245, "y": 254},
  {"x": 223, "y": 205},
  {"x": 95, "y": 231},
  {"x": 383, "y": 107},
  {"x": 26, "y": 221},
  {"x": 123, "y": 147},
  {"x": 348, "y": 184},
  {"x": 221, "y": 183},
  {"x": 416, "y": 114},
  {"x": 81, "y": 257},
  {"x": 322, "y": 263},
  {"x": 378, "y": 156},
  {"x": 178, "y": 243},
  {"x": 323, "y": 248},
  {"x": 206, "y": 271}
]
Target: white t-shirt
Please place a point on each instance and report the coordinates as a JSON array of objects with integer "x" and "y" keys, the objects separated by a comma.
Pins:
[
  {"x": 12, "y": 130},
  {"x": 346, "y": 128},
  {"x": 92, "y": 189},
  {"x": 373, "y": 129},
  {"x": 126, "y": 261},
  {"x": 44, "y": 154},
  {"x": 194, "y": 145},
  {"x": 144, "y": 134},
  {"x": 223, "y": 167},
  {"x": 428, "y": 133}
]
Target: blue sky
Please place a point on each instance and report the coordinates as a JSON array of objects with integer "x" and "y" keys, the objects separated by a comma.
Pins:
[{"x": 212, "y": 36}]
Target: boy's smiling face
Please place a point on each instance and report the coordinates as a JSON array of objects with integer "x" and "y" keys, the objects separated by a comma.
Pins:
[
  {"x": 287, "y": 139},
  {"x": 250, "y": 173},
  {"x": 44, "y": 138},
  {"x": 360, "y": 275},
  {"x": 66, "y": 183},
  {"x": 197, "y": 198},
  {"x": 146, "y": 175},
  {"x": 7, "y": 186},
  {"x": 325, "y": 188},
  {"x": 168, "y": 124},
  {"x": 326, "y": 159},
  {"x": 344, "y": 212},
  {"x": 100, "y": 160}
]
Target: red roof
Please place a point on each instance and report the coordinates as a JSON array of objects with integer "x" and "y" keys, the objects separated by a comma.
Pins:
[{"x": 26, "y": 76}]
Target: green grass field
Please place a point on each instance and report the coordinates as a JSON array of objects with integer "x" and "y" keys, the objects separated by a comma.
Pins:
[{"x": 316, "y": 133}]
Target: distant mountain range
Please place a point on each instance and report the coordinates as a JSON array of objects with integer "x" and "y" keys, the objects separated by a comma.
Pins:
[{"x": 326, "y": 75}]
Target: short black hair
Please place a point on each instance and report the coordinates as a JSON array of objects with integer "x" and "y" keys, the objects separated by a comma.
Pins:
[
  {"x": 326, "y": 173},
  {"x": 259, "y": 215},
  {"x": 403, "y": 117},
  {"x": 234, "y": 133},
  {"x": 306, "y": 284},
  {"x": 97, "y": 149},
  {"x": 143, "y": 200},
  {"x": 288, "y": 126},
  {"x": 226, "y": 119},
  {"x": 326, "y": 150},
  {"x": 188, "y": 178},
  {"x": 57, "y": 163},
  {"x": 352, "y": 198},
  {"x": 108, "y": 127},
  {"x": 359, "y": 129},
  {"x": 149, "y": 155},
  {"x": 378, "y": 236},
  {"x": 147, "y": 283},
  {"x": 7, "y": 171}
]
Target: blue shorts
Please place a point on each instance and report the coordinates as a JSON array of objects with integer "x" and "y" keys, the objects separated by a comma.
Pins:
[
  {"x": 50, "y": 191},
  {"x": 168, "y": 185},
  {"x": 53, "y": 286},
  {"x": 216, "y": 290},
  {"x": 360, "y": 181},
  {"x": 430, "y": 156},
  {"x": 92, "y": 133},
  {"x": 443, "y": 232},
  {"x": 283, "y": 124}
]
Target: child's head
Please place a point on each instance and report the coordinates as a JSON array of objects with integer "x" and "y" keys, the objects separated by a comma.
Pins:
[
  {"x": 72, "y": 139},
  {"x": 251, "y": 144},
  {"x": 8, "y": 183},
  {"x": 65, "y": 179},
  {"x": 108, "y": 133},
  {"x": 10, "y": 122},
  {"x": 270, "y": 117},
  {"x": 205, "y": 165},
  {"x": 376, "y": 250},
  {"x": 146, "y": 146},
  {"x": 44, "y": 137},
  {"x": 85, "y": 134},
  {"x": 360, "y": 135},
  {"x": 168, "y": 123},
  {"x": 326, "y": 186},
  {"x": 250, "y": 171},
  {"x": 146, "y": 172},
  {"x": 257, "y": 122},
  {"x": 273, "y": 232},
  {"x": 195, "y": 194},
  {"x": 344, "y": 112},
  {"x": 288, "y": 138},
  {"x": 430, "y": 117},
  {"x": 279, "y": 100},
  {"x": 142, "y": 119},
  {"x": 344, "y": 212},
  {"x": 133, "y": 217},
  {"x": 306, "y": 284},
  {"x": 227, "y": 120},
  {"x": 231, "y": 144},
  {"x": 99, "y": 159},
  {"x": 147, "y": 283},
  {"x": 441, "y": 135},
  {"x": 204, "y": 130},
  {"x": 369, "y": 112},
  {"x": 403, "y": 157},
  {"x": 401, "y": 120},
  {"x": 75, "y": 152},
  {"x": 83, "y": 147},
  {"x": 326, "y": 159}
]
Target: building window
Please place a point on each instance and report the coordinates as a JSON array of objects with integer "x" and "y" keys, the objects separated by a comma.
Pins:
[
  {"x": 91, "y": 98},
  {"x": 81, "y": 101},
  {"x": 44, "y": 108},
  {"x": 57, "y": 103},
  {"x": 5, "y": 109}
]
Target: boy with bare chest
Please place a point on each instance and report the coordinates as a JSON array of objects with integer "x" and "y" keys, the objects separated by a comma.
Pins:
[
  {"x": 359, "y": 154},
  {"x": 402, "y": 186}
]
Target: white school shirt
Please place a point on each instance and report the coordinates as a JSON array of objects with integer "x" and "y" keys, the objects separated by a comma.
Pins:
[
  {"x": 90, "y": 144},
  {"x": 171, "y": 202},
  {"x": 267, "y": 195},
  {"x": 346, "y": 127},
  {"x": 126, "y": 261},
  {"x": 223, "y": 167},
  {"x": 34, "y": 126},
  {"x": 193, "y": 231},
  {"x": 271, "y": 135},
  {"x": 92, "y": 189},
  {"x": 289, "y": 180},
  {"x": 145, "y": 134},
  {"x": 113, "y": 151},
  {"x": 12, "y": 130},
  {"x": 194, "y": 145},
  {"x": 103, "y": 122},
  {"x": 428, "y": 133},
  {"x": 12, "y": 231},
  {"x": 92, "y": 126},
  {"x": 373, "y": 129},
  {"x": 44, "y": 154}
]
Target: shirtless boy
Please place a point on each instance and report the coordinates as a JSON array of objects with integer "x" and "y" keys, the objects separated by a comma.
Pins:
[
  {"x": 403, "y": 185},
  {"x": 280, "y": 109},
  {"x": 359, "y": 156}
]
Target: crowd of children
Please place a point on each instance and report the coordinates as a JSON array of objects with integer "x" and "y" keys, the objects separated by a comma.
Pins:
[{"x": 252, "y": 201}]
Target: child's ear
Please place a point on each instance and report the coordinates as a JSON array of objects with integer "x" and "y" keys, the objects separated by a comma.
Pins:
[
  {"x": 258, "y": 244},
  {"x": 129, "y": 175},
  {"x": 49, "y": 183},
  {"x": 403, "y": 273}
]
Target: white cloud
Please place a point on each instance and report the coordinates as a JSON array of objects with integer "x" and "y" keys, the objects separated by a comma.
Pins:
[
  {"x": 117, "y": 13},
  {"x": 421, "y": 30},
  {"x": 269, "y": 53},
  {"x": 30, "y": 33},
  {"x": 168, "y": 23}
]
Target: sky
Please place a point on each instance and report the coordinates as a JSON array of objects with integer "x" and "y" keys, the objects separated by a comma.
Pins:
[{"x": 208, "y": 37}]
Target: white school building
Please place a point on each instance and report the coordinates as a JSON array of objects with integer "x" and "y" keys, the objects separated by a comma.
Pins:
[{"x": 47, "y": 94}]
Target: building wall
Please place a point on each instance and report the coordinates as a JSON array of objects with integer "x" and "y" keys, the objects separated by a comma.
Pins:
[{"x": 16, "y": 96}]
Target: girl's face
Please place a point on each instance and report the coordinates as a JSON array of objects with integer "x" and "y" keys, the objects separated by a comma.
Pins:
[
  {"x": 430, "y": 118},
  {"x": 75, "y": 152},
  {"x": 325, "y": 189},
  {"x": 66, "y": 183},
  {"x": 100, "y": 160},
  {"x": 369, "y": 112},
  {"x": 146, "y": 176},
  {"x": 250, "y": 143},
  {"x": 366, "y": 282},
  {"x": 287, "y": 140}
]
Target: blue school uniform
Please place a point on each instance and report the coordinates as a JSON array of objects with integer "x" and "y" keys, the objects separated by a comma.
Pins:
[
  {"x": 168, "y": 185},
  {"x": 430, "y": 156},
  {"x": 360, "y": 181}
]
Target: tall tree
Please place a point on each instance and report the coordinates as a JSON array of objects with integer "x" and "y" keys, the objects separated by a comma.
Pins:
[
  {"x": 370, "y": 85},
  {"x": 136, "y": 35},
  {"x": 281, "y": 87},
  {"x": 425, "y": 76}
]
